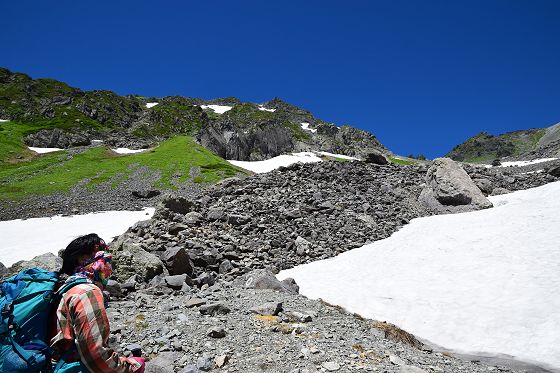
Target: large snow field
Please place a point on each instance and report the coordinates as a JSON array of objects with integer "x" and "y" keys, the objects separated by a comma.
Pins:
[
  {"x": 484, "y": 282},
  {"x": 25, "y": 239},
  {"x": 276, "y": 162}
]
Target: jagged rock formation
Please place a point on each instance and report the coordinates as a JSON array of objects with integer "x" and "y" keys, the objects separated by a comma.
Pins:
[
  {"x": 64, "y": 117},
  {"x": 449, "y": 189}
]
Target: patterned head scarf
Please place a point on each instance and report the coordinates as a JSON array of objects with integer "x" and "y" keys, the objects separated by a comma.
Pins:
[{"x": 98, "y": 269}]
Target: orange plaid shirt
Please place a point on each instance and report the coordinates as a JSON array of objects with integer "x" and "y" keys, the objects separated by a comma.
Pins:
[{"x": 81, "y": 318}]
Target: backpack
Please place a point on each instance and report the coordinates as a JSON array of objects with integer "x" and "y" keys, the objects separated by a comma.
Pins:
[{"x": 26, "y": 300}]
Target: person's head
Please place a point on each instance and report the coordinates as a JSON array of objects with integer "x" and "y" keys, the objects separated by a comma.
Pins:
[{"x": 80, "y": 250}]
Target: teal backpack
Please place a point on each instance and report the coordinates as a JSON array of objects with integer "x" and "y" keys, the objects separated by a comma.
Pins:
[{"x": 26, "y": 300}]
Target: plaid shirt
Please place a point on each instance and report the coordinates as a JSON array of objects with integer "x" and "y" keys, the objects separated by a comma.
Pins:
[{"x": 81, "y": 314}]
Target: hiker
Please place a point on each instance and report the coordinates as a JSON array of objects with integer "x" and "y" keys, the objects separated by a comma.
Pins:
[{"x": 80, "y": 327}]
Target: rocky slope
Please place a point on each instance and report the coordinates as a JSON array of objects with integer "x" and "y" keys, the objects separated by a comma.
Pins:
[
  {"x": 193, "y": 289},
  {"x": 63, "y": 117},
  {"x": 523, "y": 144}
]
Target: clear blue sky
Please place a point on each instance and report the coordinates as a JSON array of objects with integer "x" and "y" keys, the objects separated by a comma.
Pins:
[{"x": 421, "y": 75}]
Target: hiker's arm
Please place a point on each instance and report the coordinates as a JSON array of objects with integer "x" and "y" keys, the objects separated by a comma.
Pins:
[{"x": 91, "y": 330}]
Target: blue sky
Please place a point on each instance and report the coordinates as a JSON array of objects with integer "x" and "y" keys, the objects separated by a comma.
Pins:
[{"x": 422, "y": 76}]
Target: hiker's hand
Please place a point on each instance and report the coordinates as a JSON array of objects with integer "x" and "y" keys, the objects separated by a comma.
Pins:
[{"x": 139, "y": 364}]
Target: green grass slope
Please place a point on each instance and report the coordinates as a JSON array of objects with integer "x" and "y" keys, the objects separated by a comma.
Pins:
[{"x": 23, "y": 173}]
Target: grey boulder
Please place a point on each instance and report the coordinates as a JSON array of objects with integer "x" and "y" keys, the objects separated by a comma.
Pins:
[{"x": 449, "y": 189}]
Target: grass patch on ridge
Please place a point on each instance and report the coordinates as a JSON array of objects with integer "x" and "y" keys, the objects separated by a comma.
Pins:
[{"x": 58, "y": 172}]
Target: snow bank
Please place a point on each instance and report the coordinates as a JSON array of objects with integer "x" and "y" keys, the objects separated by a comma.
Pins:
[
  {"x": 262, "y": 108},
  {"x": 524, "y": 163},
  {"x": 128, "y": 151},
  {"x": 339, "y": 156},
  {"x": 25, "y": 239},
  {"x": 305, "y": 126},
  {"x": 151, "y": 104},
  {"x": 276, "y": 162},
  {"x": 480, "y": 282},
  {"x": 220, "y": 109},
  {"x": 44, "y": 150}
]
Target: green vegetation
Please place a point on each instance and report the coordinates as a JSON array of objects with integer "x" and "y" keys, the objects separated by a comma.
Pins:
[
  {"x": 173, "y": 116},
  {"x": 298, "y": 132},
  {"x": 402, "y": 162},
  {"x": 58, "y": 172},
  {"x": 485, "y": 147}
]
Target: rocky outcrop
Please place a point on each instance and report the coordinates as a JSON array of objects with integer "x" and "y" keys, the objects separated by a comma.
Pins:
[
  {"x": 449, "y": 189},
  {"x": 130, "y": 260},
  {"x": 231, "y": 142},
  {"x": 47, "y": 261},
  {"x": 57, "y": 138}
]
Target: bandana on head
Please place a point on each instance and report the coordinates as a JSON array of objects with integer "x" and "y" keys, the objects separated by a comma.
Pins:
[{"x": 98, "y": 269}]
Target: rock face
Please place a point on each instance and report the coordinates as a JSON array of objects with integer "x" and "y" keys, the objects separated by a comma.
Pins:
[
  {"x": 449, "y": 189},
  {"x": 48, "y": 261},
  {"x": 130, "y": 260},
  {"x": 57, "y": 138}
]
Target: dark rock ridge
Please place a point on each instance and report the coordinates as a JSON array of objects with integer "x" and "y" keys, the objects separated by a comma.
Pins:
[{"x": 65, "y": 117}]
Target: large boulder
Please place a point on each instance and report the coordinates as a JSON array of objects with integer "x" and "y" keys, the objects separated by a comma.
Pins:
[
  {"x": 130, "y": 259},
  {"x": 177, "y": 261},
  {"x": 375, "y": 157},
  {"x": 47, "y": 261},
  {"x": 265, "y": 279},
  {"x": 449, "y": 189},
  {"x": 3, "y": 269}
]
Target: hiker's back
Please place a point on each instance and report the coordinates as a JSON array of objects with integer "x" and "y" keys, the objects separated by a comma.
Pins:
[{"x": 26, "y": 300}]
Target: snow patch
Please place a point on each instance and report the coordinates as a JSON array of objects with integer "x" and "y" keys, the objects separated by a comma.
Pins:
[
  {"x": 151, "y": 104},
  {"x": 25, "y": 239},
  {"x": 262, "y": 108},
  {"x": 339, "y": 156},
  {"x": 220, "y": 109},
  {"x": 305, "y": 126},
  {"x": 43, "y": 150},
  {"x": 523, "y": 163},
  {"x": 128, "y": 151},
  {"x": 4, "y": 120},
  {"x": 96, "y": 141},
  {"x": 276, "y": 162},
  {"x": 484, "y": 282}
]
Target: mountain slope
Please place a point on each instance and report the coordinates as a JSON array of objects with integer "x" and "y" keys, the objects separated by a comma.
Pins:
[
  {"x": 523, "y": 144},
  {"x": 65, "y": 117}
]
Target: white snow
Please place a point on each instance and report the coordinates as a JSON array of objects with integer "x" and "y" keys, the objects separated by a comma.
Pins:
[
  {"x": 339, "y": 156},
  {"x": 274, "y": 163},
  {"x": 43, "y": 150},
  {"x": 220, "y": 109},
  {"x": 151, "y": 104},
  {"x": 25, "y": 239},
  {"x": 305, "y": 126},
  {"x": 97, "y": 141},
  {"x": 4, "y": 120},
  {"x": 524, "y": 163},
  {"x": 128, "y": 151},
  {"x": 479, "y": 282},
  {"x": 262, "y": 108}
]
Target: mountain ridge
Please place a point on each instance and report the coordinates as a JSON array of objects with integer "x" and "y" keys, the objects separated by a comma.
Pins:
[{"x": 81, "y": 116}]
